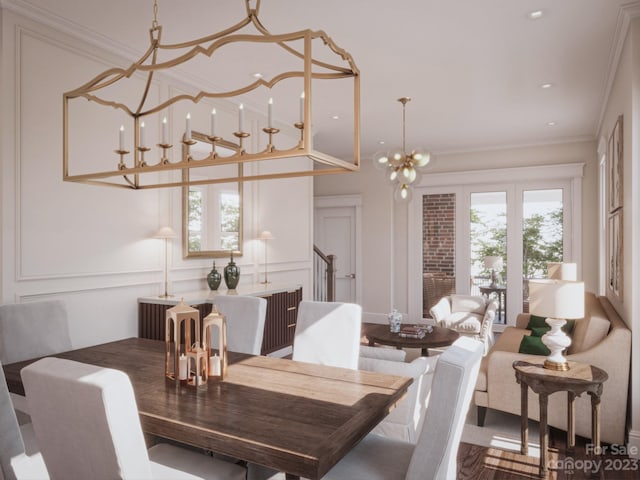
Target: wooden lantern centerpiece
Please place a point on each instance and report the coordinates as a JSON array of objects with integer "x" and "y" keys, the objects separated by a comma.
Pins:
[
  {"x": 217, "y": 363},
  {"x": 180, "y": 322}
]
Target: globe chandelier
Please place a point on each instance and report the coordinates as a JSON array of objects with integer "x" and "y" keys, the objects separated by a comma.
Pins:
[{"x": 402, "y": 169}]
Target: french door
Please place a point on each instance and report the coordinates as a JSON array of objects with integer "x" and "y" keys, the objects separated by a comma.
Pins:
[{"x": 524, "y": 224}]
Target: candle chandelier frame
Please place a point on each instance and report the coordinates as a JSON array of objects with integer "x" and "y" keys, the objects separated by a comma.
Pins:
[{"x": 129, "y": 169}]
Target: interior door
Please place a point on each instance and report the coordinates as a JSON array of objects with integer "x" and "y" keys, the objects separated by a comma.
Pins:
[{"x": 335, "y": 234}]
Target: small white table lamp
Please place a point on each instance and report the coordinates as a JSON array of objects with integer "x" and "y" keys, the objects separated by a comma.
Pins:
[
  {"x": 166, "y": 233},
  {"x": 264, "y": 236},
  {"x": 557, "y": 300},
  {"x": 494, "y": 264},
  {"x": 562, "y": 271}
]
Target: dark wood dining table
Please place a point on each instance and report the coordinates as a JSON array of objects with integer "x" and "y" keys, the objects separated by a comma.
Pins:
[{"x": 295, "y": 417}]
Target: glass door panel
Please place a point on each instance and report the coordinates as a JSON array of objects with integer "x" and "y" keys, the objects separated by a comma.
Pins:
[
  {"x": 488, "y": 242},
  {"x": 542, "y": 235}
]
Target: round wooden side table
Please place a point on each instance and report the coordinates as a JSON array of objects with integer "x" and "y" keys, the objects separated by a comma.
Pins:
[
  {"x": 580, "y": 378},
  {"x": 379, "y": 333}
]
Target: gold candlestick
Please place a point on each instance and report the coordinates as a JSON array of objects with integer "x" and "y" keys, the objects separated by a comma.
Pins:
[
  {"x": 270, "y": 131},
  {"x": 213, "y": 139},
  {"x": 122, "y": 153},
  {"x": 241, "y": 136},
  {"x": 300, "y": 126},
  {"x": 142, "y": 151},
  {"x": 164, "y": 146}
]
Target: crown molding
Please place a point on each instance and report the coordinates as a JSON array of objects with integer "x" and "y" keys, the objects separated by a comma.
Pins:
[
  {"x": 627, "y": 12},
  {"x": 100, "y": 41}
]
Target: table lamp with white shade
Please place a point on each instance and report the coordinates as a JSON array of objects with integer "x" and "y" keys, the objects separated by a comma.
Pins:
[
  {"x": 166, "y": 233},
  {"x": 562, "y": 271},
  {"x": 557, "y": 301},
  {"x": 494, "y": 264},
  {"x": 264, "y": 236}
]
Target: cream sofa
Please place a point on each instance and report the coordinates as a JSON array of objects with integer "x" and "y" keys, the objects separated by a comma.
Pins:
[{"x": 601, "y": 338}]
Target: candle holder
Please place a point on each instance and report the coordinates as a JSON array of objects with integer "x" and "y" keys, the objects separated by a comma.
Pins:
[
  {"x": 213, "y": 139},
  {"x": 198, "y": 366},
  {"x": 270, "y": 131},
  {"x": 142, "y": 151},
  {"x": 241, "y": 136},
  {"x": 188, "y": 142},
  {"x": 164, "y": 146},
  {"x": 300, "y": 126},
  {"x": 180, "y": 322},
  {"x": 217, "y": 364},
  {"x": 122, "y": 153}
]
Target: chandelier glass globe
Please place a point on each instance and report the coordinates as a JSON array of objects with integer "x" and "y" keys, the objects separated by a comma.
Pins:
[{"x": 401, "y": 169}]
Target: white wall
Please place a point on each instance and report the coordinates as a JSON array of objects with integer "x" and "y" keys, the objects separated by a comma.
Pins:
[
  {"x": 92, "y": 245},
  {"x": 624, "y": 99}
]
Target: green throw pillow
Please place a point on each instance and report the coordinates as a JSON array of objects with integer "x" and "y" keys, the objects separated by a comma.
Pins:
[
  {"x": 539, "y": 326},
  {"x": 533, "y": 346},
  {"x": 539, "y": 331}
]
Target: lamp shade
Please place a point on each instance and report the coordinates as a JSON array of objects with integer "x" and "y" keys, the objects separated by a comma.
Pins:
[
  {"x": 562, "y": 271},
  {"x": 556, "y": 298},
  {"x": 266, "y": 235},
  {"x": 493, "y": 263},
  {"x": 166, "y": 232}
]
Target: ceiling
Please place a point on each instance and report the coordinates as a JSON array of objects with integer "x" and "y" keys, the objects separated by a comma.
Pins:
[{"x": 474, "y": 69}]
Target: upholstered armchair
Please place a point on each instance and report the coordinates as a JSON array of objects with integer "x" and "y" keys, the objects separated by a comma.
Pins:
[{"x": 469, "y": 315}]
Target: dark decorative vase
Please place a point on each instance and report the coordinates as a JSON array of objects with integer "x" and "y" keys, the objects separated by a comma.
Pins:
[
  {"x": 231, "y": 274},
  {"x": 214, "y": 278}
]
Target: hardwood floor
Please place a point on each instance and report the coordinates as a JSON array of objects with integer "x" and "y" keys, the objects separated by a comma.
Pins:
[{"x": 475, "y": 462}]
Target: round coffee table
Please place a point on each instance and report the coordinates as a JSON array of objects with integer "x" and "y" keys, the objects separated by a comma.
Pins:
[{"x": 379, "y": 333}]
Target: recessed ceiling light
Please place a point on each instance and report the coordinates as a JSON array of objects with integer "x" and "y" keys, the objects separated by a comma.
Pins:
[
  {"x": 335, "y": 117},
  {"x": 546, "y": 85},
  {"x": 257, "y": 75},
  {"x": 535, "y": 14},
  {"x": 381, "y": 142},
  {"x": 551, "y": 124}
]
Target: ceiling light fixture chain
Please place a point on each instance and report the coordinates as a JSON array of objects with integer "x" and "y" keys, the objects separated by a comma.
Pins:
[
  {"x": 149, "y": 113},
  {"x": 154, "y": 24},
  {"x": 402, "y": 169}
]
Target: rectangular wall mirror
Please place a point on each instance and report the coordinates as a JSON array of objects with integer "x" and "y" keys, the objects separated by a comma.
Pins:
[{"x": 211, "y": 213}]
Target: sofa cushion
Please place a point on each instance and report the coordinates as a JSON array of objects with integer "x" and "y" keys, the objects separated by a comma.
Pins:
[
  {"x": 532, "y": 345},
  {"x": 464, "y": 322},
  {"x": 468, "y": 303},
  {"x": 591, "y": 329}
]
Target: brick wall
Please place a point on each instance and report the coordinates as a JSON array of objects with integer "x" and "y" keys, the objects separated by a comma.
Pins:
[{"x": 438, "y": 233}]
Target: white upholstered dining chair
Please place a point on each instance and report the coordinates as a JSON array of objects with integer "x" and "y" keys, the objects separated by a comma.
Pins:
[
  {"x": 19, "y": 457},
  {"x": 32, "y": 330},
  {"x": 434, "y": 456},
  {"x": 328, "y": 333},
  {"x": 87, "y": 426},
  {"x": 245, "y": 322}
]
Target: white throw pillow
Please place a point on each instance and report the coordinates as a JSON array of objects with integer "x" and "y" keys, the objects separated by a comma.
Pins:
[{"x": 468, "y": 303}]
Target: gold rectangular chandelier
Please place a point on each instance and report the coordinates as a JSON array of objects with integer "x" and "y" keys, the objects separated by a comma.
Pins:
[{"x": 147, "y": 166}]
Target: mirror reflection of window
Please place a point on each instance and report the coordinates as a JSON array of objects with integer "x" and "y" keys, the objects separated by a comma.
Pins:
[
  {"x": 229, "y": 220},
  {"x": 196, "y": 217},
  {"x": 212, "y": 212}
]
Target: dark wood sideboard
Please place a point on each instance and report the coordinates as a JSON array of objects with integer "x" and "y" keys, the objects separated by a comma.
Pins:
[{"x": 279, "y": 327}]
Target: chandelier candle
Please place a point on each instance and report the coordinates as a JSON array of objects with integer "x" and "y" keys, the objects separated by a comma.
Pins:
[
  {"x": 213, "y": 122},
  {"x": 188, "y": 127},
  {"x": 121, "y": 143},
  {"x": 165, "y": 133}
]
